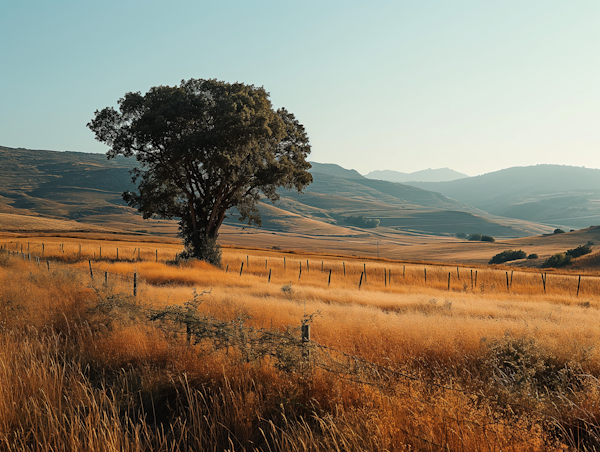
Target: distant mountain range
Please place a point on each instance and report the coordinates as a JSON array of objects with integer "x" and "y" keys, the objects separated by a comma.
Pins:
[
  {"x": 428, "y": 175},
  {"x": 550, "y": 194}
]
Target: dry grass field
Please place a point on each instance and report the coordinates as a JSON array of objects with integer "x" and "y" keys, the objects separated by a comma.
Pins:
[{"x": 203, "y": 358}]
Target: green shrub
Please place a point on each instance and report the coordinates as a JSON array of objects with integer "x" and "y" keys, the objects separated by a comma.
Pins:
[
  {"x": 533, "y": 256},
  {"x": 487, "y": 238},
  {"x": 475, "y": 237},
  {"x": 461, "y": 235},
  {"x": 579, "y": 251},
  {"x": 557, "y": 260},
  {"x": 361, "y": 221},
  {"x": 559, "y": 231},
  {"x": 508, "y": 255}
]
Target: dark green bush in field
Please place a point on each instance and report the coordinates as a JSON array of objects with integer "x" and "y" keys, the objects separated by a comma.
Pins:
[
  {"x": 361, "y": 221},
  {"x": 579, "y": 251},
  {"x": 475, "y": 237},
  {"x": 559, "y": 231},
  {"x": 533, "y": 256},
  {"x": 461, "y": 235},
  {"x": 557, "y": 260},
  {"x": 508, "y": 255},
  {"x": 487, "y": 238}
]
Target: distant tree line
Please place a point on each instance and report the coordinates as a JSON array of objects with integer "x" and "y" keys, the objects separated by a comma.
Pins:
[
  {"x": 476, "y": 237},
  {"x": 361, "y": 221}
]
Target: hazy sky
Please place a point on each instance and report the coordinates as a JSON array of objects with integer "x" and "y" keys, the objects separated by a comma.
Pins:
[{"x": 405, "y": 85}]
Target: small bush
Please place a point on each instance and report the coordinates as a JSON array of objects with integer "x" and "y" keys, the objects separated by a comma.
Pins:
[
  {"x": 487, "y": 238},
  {"x": 461, "y": 235},
  {"x": 533, "y": 256},
  {"x": 361, "y": 221},
  {"x": 475, "y": 237},
  {"x": 579, "y": 251},
  {"x": 508, "y": 255},
  {"x": 559, "y": 231},
  {"x": 557, "y": 260}
]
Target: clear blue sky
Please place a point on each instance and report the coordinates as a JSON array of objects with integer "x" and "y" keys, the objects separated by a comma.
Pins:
[{"x": 405, "y": 85}]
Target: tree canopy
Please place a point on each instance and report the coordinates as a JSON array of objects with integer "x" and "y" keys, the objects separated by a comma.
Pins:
[{"x": 203, "y": 148}]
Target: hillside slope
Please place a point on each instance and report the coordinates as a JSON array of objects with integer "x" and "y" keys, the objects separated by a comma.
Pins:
[{"x": 558, "y": 195}]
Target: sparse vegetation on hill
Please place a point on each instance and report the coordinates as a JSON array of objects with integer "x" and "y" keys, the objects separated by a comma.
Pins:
[
  {"x": 361, "y": 221},
  {"x": 508, "y": 255}
]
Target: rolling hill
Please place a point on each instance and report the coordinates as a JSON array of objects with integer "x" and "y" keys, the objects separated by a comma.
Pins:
[
  {"x": 87, "y": 188},
  {"x": 428, "y": 175},
  {"x": 562, "y": 196}
]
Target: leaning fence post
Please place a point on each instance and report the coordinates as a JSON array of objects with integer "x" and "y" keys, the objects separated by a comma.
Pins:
[
  {"x": 543, "y": 282},
  {"x": 227, "y": 268},
  {"x": 578, "y": 285},
  {"x": 361, "y": 278},
  {"x": 91, "y": 271},
  {"x": 270, "y": 275},
  {"x": 241, "y": 268},
  {"x": 105, "y": 278},
  {"x": 365, "y": 271},
  {"x": 329, "y": 280},
  {"x": 300, "y": 272}
]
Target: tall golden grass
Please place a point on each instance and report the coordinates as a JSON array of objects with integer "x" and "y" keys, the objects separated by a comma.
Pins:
[{"x": 399, "y": 365}]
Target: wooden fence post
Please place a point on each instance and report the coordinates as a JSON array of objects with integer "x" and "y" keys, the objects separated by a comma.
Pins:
[
  {"x": 284, "y": 263},
  {"x": 156, "y": 256},
  {"x": 305, "y": 332},
  {"x": 91, "y": 271},
  {"x": 578, "y": 285},
  {"x": 390, "y": 276},
  {"x": 241, "y": 268},
  {"x": 300, "y": 272},
  {"x": 344, "y": 265},
  {"x": 425, "y": 272},
  {"x": 307, "y": 266},
  {"x": 270, "y": 275},
  {"x": 361, "y": 278},
  {"x": 48, "y": 264},
  {"x": 365, "y": 271},
  {"x": 329, "y": 280},
  {"x": 227, "y": 268},
  {"x": 322, "y": 267},
  {"x": 507, "y": 283},
  {"x": 449, "y": 281},
  {"x": 457, "y": 273},
  {"x": 384, "y": 277},
  {"x": 543, "y": 281},
  {"x": 105, "y": 278},
  {"x": 135, "y": 284}
]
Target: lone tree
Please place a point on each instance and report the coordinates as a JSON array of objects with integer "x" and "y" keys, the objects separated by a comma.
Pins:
[{"x": 203, "y": 148}]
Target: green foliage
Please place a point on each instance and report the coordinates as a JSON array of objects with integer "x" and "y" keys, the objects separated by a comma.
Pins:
[
  {"x": 559, "y": 231},
  {"x": 557, "y": 260},
  {"x": 579, "y": 251},
  {"x": 508, "y": 255},
  {"x": 533, "y": 256},
  {"x": 475, "y": 237},
  {"x": 461, "y": 235},
  {"x": 361, "y": 221},
  {"x": 487, "y": 238},
  {"x": 203, "y": 148}
]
